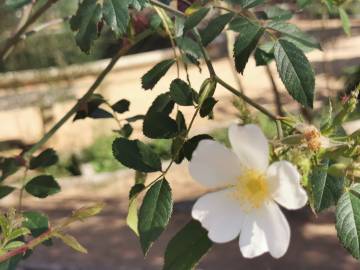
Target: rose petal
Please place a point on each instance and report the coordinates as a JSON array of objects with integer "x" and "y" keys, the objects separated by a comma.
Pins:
[
  {"x": 214, "y": 165},
  {"x": 219, "y": 212},
  {"x": 250, "y": 145},
  {"x": 285, "y": 180}
]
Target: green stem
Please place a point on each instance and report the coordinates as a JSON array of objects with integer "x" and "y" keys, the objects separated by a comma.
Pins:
[{"x": 87, "y": 95}]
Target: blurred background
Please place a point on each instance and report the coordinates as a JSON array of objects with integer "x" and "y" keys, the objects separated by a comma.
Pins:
[{"x": 47, "y": 73}]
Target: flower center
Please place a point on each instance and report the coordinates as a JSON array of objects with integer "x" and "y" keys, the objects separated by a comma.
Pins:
[{"x": 252, "y": 189}]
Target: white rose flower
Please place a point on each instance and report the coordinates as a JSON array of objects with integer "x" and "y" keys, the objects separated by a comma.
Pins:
[{"x": 247, "y": 204}]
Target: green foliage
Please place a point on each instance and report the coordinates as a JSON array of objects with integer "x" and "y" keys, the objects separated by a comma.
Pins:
[
  {"x": 295, "y": 71},
  {"x": 136, "y": 155},
  {"x": 326, "y": 189},
  {"x": 249, "y": 36},
  {"x": 214, "y": 28},
  {"x": 181, "y": 92},
  {"x": 185, "y": 250},
  {"x": 45, "y": 159},
  {"x": 16, "y": 4},
  {"x": 151, "y": 78},
  {"x": 345, "y": 20},
  {"x": 154, "y": 214},
  {"x": 42, "y": 186},
  {"x": 36, "y": 222},
  {"x": 348, "y": 220},
  {"x": 195, "y": 18},
  {"x": 5, "y": 190},
  {"x": 116, "y": 15},
  {"x": 86, "y": 23},
  {"x": 121, "y": 106}
]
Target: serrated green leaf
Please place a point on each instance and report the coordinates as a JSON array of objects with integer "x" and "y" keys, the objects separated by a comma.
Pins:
[
  {"x": 195, "y": 18},
  {"x": 348, "y": 220},
  {"x": 293, "y": 34},
  {"x": 22, "y": 231},
  {"x": 185, "y": 250},
  {"x": 345, "y": 20},
  {"x": 45, "y": 159},
  {"x": 262, "y": 57},
  {"x": 295, "y": 72},
  {"x": 36, "y": 222},
  {"x": 9, "y": 166},
  {"x": 326, "y": 188},
  {"x": 163, "y": 103},
  {"x": 42, "y": 186},
  {"x": 215, "y": 27},
  {"x": 181, "y": 92},
  {"x": 116, "y": 15},
  {"x": 249, "y": 36},
  {"x": 247, "y": 3},
  {"x": 159, "y": 125},
  {"x": 136, "y": 155},
  {"x": 121, "y": 106},
  {"x": 5, "y": 190},
  {"x": 138, "y": 4},
  {"x": 151, "y": 78},
  {"x": 154, "y": 214},
  {"x": 277, "y": 13},
  {"x": 70, "y": 241},
  {"x": 189, "y": 46},
  {"x": 85, "y": 21},
  {"x": 207, "y": 106}
]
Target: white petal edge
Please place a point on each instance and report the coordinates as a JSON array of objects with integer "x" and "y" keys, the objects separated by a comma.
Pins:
[
  {"x": 287, "y": 190},
  {"x": 214, "y": 165},
  {"x": 220, "y": 214},
  {"x": 250, "y": 145},
  {"x": 265, "y": 230}
]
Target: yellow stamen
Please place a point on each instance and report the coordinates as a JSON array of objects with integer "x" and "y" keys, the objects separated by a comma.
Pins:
[{"x": 252, "y": 189}]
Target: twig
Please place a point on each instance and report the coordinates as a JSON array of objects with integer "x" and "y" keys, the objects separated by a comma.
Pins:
[
  {"x": 12, "y": 41},
  {"x": 247, "y": 99},
  {"x": 87, "y": 95},
  {"x": 44, "y": 26}
]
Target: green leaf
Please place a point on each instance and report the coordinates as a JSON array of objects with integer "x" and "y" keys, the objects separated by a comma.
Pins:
[
  {"x": 326, "y": 188},
  {"x": 191, "y": 144},
  {"x": 181, "y": 123},
  {"x": 9, "y": 166},
  {"x": 348, "y": 220},
  {"x": 121, "y": 106},
  {"x": 159, "y": 125},
  {"x": 5, "y": 190},
  {"x": 163, "y": 103},
  {"x": 189, "y": 46},
  {"x": 36, "y": 222},
  {"x": 247, "y": 3},
  {"x": 13, "y": 245},
  {"x": 70, "y": 241},
  {"x": 195, "y": 18},
  {"x": 346, "y": 24},
  {"x": 154, "y": 214},
  {"x": 262, "y": 57},
  {"x": 207, "y": 106},
  {"x": 132, "y": 219},
  {"x": 303, "y": 3},
  {"x": 188, "y": 246},
  {"x": 295, "y": 72},
  {"x": 16, "y": 4},
  {"x": 276, "y": 13},
  {"x": 215, "y": 27},
  {"x": 138, "y": 4},
  {"x": 293, "y": 34},
  {"x": 181, "y": 92},
  {"x": 136, "y": 155},
  {"x": 126, "y": 130},
  {"x": 86, "y": 21},
  {"x": 45, "y": 159},
  {"x": 42, "y": 186},
  {"x": 88, "y": 211},
  {"x": 16, "y": 233},
  {"x": 151, "y": 78},
  {"x": 116, "y": 15},
  {"x": 249, "y": 36}
]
